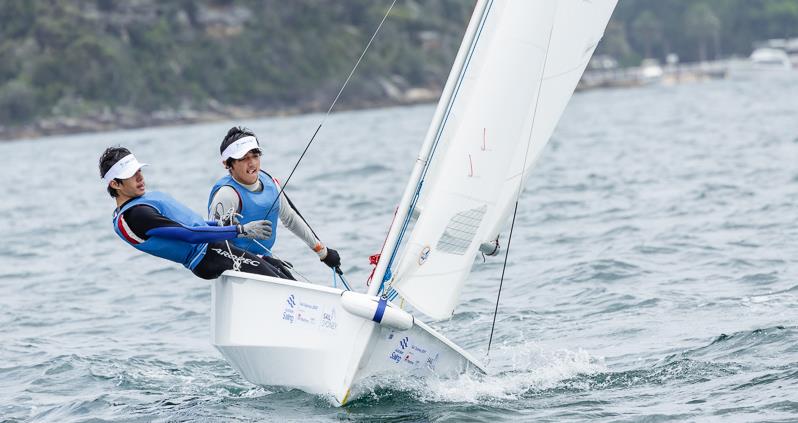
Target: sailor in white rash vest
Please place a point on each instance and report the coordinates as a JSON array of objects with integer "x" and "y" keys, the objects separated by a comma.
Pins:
[{"x": 251, "y": 193}]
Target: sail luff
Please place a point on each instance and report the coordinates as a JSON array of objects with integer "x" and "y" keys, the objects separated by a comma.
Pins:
[{"x": 422, "y": 161}]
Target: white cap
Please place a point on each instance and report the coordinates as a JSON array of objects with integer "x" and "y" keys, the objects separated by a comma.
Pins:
[
  {"x": 126, "y": 167},
  {"x": 240, "y": 148}
]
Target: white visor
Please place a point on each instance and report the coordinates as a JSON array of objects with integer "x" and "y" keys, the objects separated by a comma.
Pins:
[
  {"x": 240, "y": 148},
  {"x": 126, "y": 167}
]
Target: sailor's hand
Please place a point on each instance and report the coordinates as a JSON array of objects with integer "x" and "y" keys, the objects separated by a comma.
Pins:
[
  {"x": 226, "y": 217},
  {"x": 257, "y": 229},
  {"x": 332, "y": 258},
  {"x": 229, "y": 219}
]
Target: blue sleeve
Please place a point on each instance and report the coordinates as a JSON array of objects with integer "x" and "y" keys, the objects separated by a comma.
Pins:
[
  {"x": 195, "y": 234},
  {"x": 212, "y": 223}
]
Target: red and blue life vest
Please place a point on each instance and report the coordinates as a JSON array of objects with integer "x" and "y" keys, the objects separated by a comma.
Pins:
[{"x": 189, "y": 255}]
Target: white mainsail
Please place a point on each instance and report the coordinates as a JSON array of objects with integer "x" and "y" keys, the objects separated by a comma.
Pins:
[{"x": 515, "y": 79}]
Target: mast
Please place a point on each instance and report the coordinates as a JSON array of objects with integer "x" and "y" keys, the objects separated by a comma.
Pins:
[{"x": 433, "y": 133}]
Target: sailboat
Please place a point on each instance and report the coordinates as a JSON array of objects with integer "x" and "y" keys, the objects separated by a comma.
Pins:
[{"x": 513, "y": 75}]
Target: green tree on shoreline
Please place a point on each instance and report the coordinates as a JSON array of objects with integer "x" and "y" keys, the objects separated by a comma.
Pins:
[{"x": 81, "y": 57}]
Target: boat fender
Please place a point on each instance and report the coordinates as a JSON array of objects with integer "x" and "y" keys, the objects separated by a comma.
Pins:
[{"x": 376, "y": 309}]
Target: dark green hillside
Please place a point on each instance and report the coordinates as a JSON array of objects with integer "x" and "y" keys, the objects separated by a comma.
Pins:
[{"x": 96, "y": 64}]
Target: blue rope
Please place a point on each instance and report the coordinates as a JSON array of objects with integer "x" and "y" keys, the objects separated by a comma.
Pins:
[
  {"x": 262, "y": 246},
  {"x": 343, "y": 281},
  {"x": 402, "y": 232},
  {"x": 346, "y": 284}
]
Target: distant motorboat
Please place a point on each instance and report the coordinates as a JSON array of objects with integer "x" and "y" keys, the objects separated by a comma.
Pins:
[
  {"x": 650, "y": 71},
  {"x": 770, "y": 58},
  {"x": 763, "y": 62}
]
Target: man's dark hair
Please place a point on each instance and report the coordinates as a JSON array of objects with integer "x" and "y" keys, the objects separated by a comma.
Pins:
[
  {"x": 234, "y": 134},
  {"x": 110, "y": 156}
]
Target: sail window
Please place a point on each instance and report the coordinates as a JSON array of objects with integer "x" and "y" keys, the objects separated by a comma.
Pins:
[{"x": 460, "y": 231}]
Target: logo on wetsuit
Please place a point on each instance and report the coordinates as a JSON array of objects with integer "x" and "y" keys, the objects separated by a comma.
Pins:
[{"x": 227, "y": 254}]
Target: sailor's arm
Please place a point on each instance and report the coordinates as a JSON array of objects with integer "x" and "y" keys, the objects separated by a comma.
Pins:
[
  {"x": 294, "y": 221},
  {"x": 224, "y": 200},
  {"x": 297, "y": 225},
  {"x": 145, "y": 222}
]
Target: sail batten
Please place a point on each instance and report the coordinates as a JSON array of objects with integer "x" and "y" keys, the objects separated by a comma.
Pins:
[{"x": 521, "y": 68}]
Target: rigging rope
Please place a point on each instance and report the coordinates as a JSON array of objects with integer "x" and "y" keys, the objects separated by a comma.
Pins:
[
  {"x": 501, "y": 281},
  {"x": 332, "y": 105},
  {"x": 520, "y": 186},
  {"x": 326, "y": 115},
  {"x": 227, "y": 218}
]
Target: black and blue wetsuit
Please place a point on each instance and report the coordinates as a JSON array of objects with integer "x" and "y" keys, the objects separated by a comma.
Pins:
[{"x": 157, "y": 224}]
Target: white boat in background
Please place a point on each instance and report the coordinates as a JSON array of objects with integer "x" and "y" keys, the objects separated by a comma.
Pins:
[
  {"x": 650, "y": 71},
  {"x": 764, "y": 62},
  {"x": 514, "y": 73},
  {"x": 770, "y": 59}
]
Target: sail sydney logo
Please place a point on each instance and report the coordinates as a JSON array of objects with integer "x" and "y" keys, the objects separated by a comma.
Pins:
[
  {"x": 288, "y": 313},
  {"x": 307, "y": 314},
  {"x": 328, "y": 320},
  {"x": 399, "y": 353},
  {"x": 413, "y": 354}
]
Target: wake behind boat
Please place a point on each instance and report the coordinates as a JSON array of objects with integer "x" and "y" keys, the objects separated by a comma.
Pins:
[{"x": 514, "y": 73}]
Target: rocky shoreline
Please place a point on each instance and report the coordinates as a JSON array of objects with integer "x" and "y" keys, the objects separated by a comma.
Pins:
[
  {"x": 110, "y": 119},
  {"x": 394, "y": 93}
]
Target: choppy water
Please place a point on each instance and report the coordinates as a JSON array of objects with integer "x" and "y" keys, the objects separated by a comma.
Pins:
[{"x": 653, "y": 275}]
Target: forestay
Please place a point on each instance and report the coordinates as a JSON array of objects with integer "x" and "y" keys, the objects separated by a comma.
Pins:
[{"x": 516, "y": 78}]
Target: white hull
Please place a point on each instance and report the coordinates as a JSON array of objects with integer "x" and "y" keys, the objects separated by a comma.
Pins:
[{"x": 277, "y": 332}]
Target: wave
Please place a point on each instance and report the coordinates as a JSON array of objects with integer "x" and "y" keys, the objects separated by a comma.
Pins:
[
  {"x": 529, "y": 371},
  {"x": 367, "y": 170},
  {"x": 521, "y": 369}
]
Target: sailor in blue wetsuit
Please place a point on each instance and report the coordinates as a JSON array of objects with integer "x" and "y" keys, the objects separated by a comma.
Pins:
[
  {"x": 157, "y": 224},
  {"x": 252, "y": 194}
]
